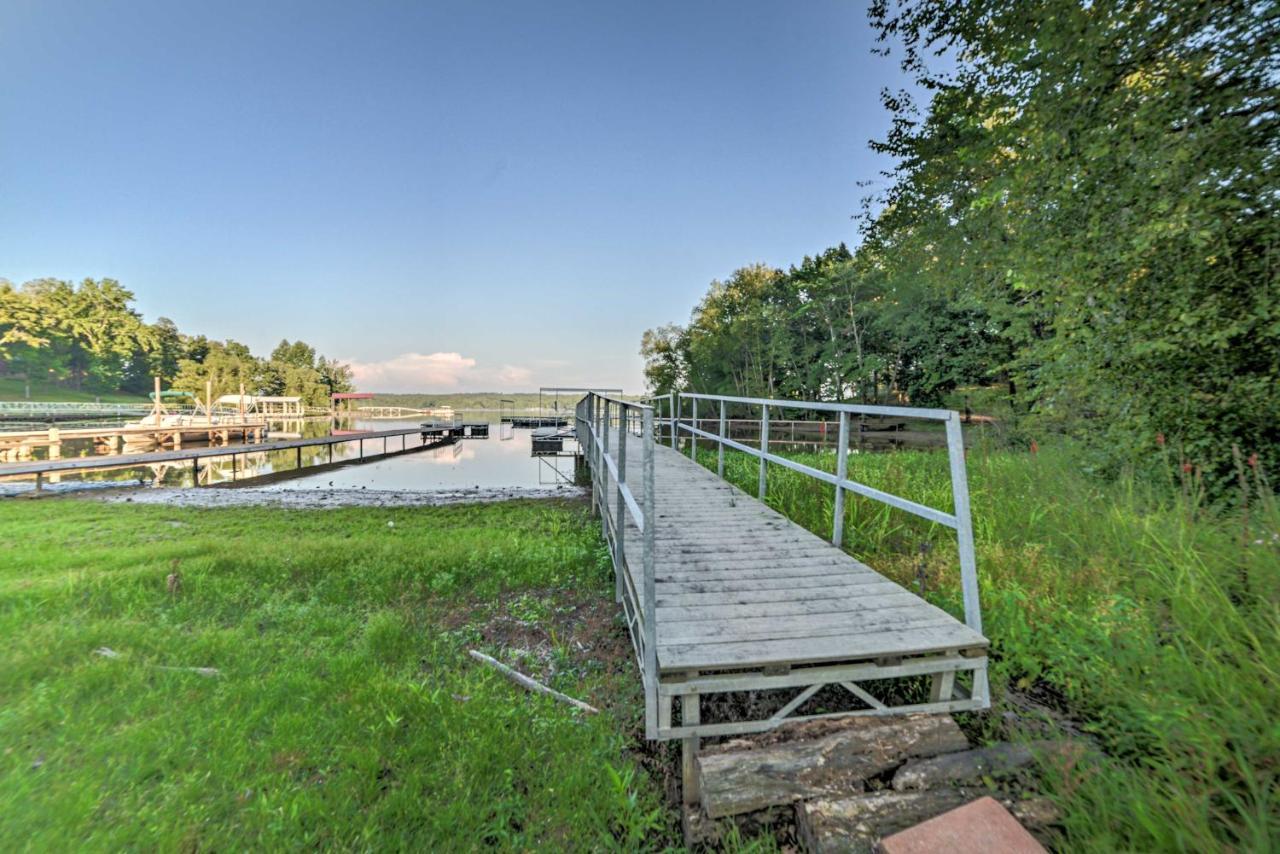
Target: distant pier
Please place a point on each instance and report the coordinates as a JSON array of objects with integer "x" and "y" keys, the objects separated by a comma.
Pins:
[{"x": 529, "y": 421}]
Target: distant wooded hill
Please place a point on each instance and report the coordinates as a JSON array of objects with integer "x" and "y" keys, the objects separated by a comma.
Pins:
[{"x": 473, "y": 400}]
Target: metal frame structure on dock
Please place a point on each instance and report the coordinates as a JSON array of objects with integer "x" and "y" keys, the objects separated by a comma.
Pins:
[
  {"x": 723, "y": 595},
  {"x": 43, "y": 468},
  {"x": 212, "y": 432}
]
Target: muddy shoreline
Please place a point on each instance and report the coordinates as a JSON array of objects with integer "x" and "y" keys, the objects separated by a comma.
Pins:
[{"x": 320, "y": 499}]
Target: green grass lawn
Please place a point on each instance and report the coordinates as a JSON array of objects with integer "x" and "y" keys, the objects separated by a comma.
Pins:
[
  {"x": 345, "y": 713},
  {"x": 1152, "y": 620},
  {"x": 15, "y": 389}
]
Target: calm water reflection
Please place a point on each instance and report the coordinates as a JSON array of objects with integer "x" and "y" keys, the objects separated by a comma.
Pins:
[{"x": 468, "y": 463}]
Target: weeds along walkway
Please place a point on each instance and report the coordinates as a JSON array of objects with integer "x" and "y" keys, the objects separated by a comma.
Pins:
[{"x": 725, "y": 596}]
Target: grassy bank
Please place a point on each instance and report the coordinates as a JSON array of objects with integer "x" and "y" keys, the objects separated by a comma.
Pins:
[
  {"x": 1150, "y": 620},
  {"x": 345, "y": 712},
  {"x": 15, "y": 389}
]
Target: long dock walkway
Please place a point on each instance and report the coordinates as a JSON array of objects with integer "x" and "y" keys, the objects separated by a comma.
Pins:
[
  {"x": 99, "y": 462},
  {"x": 742, "y": 620}
]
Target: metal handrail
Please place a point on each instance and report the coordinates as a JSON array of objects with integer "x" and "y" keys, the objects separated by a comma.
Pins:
[
  {"x": 595, "y": 417},
  {"x": 959, "y": 519}
]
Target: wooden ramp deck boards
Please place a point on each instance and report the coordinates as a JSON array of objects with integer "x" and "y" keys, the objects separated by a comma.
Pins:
[{"x": 741, "y": 586}]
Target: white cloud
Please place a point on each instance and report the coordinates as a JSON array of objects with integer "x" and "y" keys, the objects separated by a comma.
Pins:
[{"x": 436, "y": 372}]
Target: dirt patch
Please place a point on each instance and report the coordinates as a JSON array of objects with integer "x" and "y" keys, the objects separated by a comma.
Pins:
[
  {"x": 546, "y": 631},
  {"x": 1040, "y": 711}
]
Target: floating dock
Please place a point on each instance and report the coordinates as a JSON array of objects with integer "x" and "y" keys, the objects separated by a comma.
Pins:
[
  {"x": 20, "y": 444},
  {"x": 372, "y": 445},
  {"x": 456, "y": 429},
  {"x": 530, "y": 421},
  {"x": 549, "y": 441}
]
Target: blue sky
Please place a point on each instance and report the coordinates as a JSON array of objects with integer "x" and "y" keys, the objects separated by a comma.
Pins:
[{"x": 452, "y": 196}]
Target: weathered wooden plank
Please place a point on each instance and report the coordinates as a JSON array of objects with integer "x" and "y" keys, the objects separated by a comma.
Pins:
[
  {"x": 806, "y": 627},
  {"x": 676, "y": 598},
  {"x": 737, "y": 611},
  {"x": 887, "y": 642},
  {"x": 792, "y": 570},
  {"x": 744, "y": 584},
  {"x": 748, "y": 560}
]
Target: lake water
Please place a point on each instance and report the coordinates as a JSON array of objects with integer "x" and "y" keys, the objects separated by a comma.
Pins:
[{"x": 492, "y": 462}]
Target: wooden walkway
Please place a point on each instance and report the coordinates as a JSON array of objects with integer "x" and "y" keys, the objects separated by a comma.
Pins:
[
  {"x": 41, "y": 469},
  {"x": 740, "y": 584},
  {"x": 726, "y": 600}
]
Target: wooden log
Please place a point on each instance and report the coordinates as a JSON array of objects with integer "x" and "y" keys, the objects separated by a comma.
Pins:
[
  {"x": 739, "y": 781},
  {"x": 970, "y": 766},
  {"x": 531, "y": 684},
  {"x": 854, "y": 825}
]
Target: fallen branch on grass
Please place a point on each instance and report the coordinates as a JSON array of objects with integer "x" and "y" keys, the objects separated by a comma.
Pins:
[
  {"x": 531, "y": 684},
  {"x": 108, "y": 652}
]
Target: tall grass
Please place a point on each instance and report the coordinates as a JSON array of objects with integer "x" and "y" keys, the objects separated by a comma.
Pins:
[{"x": 1154, "y": 619}]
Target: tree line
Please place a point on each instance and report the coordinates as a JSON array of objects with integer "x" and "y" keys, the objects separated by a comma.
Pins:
[
  {"x": 1083, "y": 213},
  {"x": 88, "y": 337}
]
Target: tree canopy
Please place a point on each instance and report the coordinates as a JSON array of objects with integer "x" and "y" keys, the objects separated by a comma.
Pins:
[
  {"x": 1085, "y": 210},
  {"x": 89, "y": 337}
]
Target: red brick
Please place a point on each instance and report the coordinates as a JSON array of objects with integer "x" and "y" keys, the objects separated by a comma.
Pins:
[{"x": 980, "y": 827}]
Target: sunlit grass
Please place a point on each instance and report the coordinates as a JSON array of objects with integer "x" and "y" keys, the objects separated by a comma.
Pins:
[{"x": 346, "y": 713}]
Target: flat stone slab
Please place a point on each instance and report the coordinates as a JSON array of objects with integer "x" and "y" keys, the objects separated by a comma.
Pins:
[
  {"x": 980, "y": 827},
  {"x": 834, "y": 765}
]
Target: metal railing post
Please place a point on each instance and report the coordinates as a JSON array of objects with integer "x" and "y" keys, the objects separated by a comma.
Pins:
[
  {"x": 620, "y": 518},
  {"x": 964, "y": 525},
  {"x": 720, "y": 444},
  {"x": 650, "y": 588},
  {"x": 601, "y": 472},
  {"x": 764, "y": 447},
  {"x": 671, "y": 412},
  {"x": 693, "y": 437},
  {"x": 585, "y": 425},
  {"x": 842, "y": 471}
]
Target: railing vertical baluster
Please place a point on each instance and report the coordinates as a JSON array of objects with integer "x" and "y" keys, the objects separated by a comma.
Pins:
[
  {"x": 764, "y": 447},
  {"x": 620, "y": 517},
  {"x": 842, "y": 471},
  {"x": 671, "y": 411},
  {"x": 650, "y": 587},
  {"x": 602, "y": 448},
  {"x": 720, "y": 444},
  {"x": 604, "y": 471},
  {"x": 671, "y": 407},
  {"x": 693, "y": 437},
  {"x": 964, "y": 525}
]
